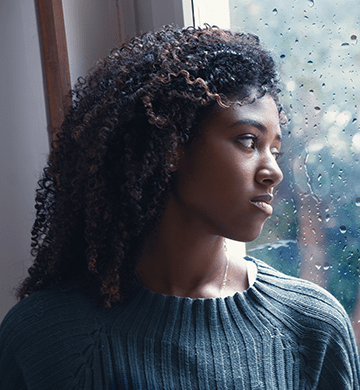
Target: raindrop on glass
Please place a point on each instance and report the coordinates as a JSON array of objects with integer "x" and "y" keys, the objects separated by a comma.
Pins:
[
  {"x": 319, "y": 177},
  {"x": 343, "y": 229},
  {"x": 318, "y": 266},
  {"x": 317, "y": 108},
  {"x": 327, "y": 218},
  {"x": 326, "y": 266},
  {"x": 275, "y": 11},
  {"x": 310, "y": 3},
  {"x": 357, "y": 202}
]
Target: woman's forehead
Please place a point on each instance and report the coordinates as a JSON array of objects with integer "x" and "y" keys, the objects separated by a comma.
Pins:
[{"x": 263, "y": 112}]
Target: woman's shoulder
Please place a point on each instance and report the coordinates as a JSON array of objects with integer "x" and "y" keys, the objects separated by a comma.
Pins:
[
  {"x": 58, "y": 327},
  {"x": 313, "y": 319},
  {"x": 302, "y": 297},
  {"x": 51, "y": 301},
  {"x": 62, "y": 308}
]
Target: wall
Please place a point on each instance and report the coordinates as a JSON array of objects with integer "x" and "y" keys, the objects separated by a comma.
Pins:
[
  {"x": 24, "y": 142},
  {"x": 94, "y": 27}
]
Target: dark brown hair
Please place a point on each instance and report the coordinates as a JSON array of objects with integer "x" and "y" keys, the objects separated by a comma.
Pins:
[{"x": 107, "y": 179}]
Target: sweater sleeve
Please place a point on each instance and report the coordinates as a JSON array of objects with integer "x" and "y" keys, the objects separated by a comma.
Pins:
[
  {"x": 327, "y": 345},
  {"x": 52, "y": 340},
  {"x": 11, "y": 375},
  {"x": 319, "y": 327},
  {"x": 340, "y": 369}
]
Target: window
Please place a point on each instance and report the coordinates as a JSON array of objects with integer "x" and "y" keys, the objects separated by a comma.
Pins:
[{"x": 315, "y": 230}]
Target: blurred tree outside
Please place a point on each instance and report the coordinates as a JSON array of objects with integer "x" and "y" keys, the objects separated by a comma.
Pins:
[{"x": 315, "y": 230}]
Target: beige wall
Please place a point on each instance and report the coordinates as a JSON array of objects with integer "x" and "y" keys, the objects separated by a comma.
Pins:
[
  {"x": 94, "y": 27},
  {"x": 23, "y": 141}
]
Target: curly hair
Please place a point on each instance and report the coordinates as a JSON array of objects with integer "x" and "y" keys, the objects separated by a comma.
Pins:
[{"x": 108, "y": 175}]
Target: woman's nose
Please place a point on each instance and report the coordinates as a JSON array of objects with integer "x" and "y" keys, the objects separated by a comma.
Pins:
[{"x": 269, "y": 172}]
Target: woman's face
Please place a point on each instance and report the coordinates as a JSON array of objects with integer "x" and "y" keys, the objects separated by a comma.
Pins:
[{"x": 225, "y": 183}]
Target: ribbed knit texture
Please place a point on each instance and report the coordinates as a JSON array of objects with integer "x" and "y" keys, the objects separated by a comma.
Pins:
[{"x": 282, "y": 333}]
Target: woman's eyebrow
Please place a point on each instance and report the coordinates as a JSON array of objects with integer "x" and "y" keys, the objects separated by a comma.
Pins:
[{"x": 254, "y": 123}]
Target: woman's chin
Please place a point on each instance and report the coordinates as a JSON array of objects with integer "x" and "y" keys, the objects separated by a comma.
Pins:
[{"x": 248, "y": 236}]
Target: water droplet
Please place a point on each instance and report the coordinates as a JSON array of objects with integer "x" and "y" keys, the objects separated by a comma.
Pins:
[
  {"x": 345, "y": 44},
  {"x": 317, "y": 108},
  {"x": 353, "y": 37},
  {"x": 282, "y": 56},
  {"x": 343, "y": 229},
  {"x": 319, "y": 177},
  {"x": 275, "y": 11},
  {"x": 313, "y": 230},
  {"x": 310, "y": 3},
  {"x": 327, "y": 218},
  {"x": 318, "y": 266},
  {"x": 357, "y": 202},
  {"x": 310, "y": 62},
  {"x": 319, "y": 218},
  {"x": 326, "y": 266}
]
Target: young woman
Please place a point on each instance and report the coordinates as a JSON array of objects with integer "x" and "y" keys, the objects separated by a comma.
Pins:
[{"x": 170, "y": 146}]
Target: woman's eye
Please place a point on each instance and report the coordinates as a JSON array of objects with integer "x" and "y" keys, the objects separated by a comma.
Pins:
[
  {"x": 277, "y": 155},
  {"x": 249, "y": 141}
]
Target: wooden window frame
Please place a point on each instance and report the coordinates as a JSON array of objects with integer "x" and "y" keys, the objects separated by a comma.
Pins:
[{"x": 57, "y": 83}]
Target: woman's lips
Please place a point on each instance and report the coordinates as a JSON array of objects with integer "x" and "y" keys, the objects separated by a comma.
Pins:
[
  {"x": 263, "y": 203},
  {"x": 266, "y": 207}
]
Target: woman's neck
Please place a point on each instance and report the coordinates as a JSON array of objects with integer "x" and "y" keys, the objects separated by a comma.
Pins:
[{"x": 185, "y": 260}]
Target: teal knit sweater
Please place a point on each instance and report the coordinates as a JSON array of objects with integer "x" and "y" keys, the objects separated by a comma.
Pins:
[{"x": 282, "y": 333}]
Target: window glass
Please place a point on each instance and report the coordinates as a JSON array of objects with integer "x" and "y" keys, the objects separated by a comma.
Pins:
[{"x": 315, "y": 230}]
